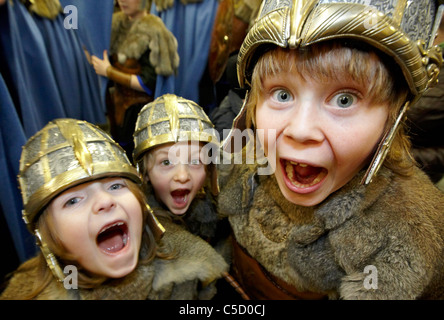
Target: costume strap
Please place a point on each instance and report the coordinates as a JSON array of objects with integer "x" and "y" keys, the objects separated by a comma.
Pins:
[{"x": 260, "y": 284}]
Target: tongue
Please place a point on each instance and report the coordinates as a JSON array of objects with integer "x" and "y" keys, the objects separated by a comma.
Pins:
[
  {"x": 307, "y": 174},
  {"x": 179, "y": 195},
  {"x": 111, "y": 240}
]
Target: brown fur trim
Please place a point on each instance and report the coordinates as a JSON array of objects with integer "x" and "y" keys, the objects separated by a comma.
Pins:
[{"x": 130, "y": 39}]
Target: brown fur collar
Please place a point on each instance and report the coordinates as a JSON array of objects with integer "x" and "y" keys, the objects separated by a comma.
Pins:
[
  {"x": 192, "y": 261},
  {"x": 395, "y": 224}
]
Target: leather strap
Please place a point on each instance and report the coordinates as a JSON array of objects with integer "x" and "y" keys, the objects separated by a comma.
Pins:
[{"x": 260, "y": 284}]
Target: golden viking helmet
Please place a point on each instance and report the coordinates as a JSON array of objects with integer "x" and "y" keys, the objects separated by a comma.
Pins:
[
  {"x": 65, "y": 153},
  {"x": 403, "y": 30},
  {"x": 172, "y": 119}
]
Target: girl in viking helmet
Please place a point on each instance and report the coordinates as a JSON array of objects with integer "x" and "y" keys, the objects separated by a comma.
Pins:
[
  {"x": 176, "y": 150},
  {"x": 98, "y": 237},
  {"x": 345, "y": 214},
  {"x": 141, "y": 48}
]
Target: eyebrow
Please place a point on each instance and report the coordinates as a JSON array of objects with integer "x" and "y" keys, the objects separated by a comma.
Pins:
[{"x": 160, "y": 152}]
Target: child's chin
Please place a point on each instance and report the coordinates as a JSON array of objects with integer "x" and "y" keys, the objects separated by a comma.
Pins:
[
  {"x": 179, "y": 212},
  {"x": 301, "y": 199},
  {"x": 122, "y": 271}
]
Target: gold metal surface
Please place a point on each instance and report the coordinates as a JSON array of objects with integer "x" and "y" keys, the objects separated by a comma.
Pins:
[
  {"x": 307, "y": 21},
  {"x": 171, "y": 119},
  {"x": 67, "y": 152}
]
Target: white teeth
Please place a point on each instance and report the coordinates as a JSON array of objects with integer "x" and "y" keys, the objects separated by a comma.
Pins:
[{"x": 113, "y": 225}]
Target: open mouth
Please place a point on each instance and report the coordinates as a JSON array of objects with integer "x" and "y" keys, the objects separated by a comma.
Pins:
[
  {"x": 180, "y": 197},
  {"x": 113, "y": 237},
  {"x": 302, "y": 175}
]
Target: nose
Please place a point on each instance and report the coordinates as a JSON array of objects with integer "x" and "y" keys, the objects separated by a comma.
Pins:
[
  {"x": 304, "y": 124},
  {"x": 181, "y": 173},
  {"x": 103, "y": 202}
]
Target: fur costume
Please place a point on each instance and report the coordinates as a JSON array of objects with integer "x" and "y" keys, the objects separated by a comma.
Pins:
[
  {"x": 129, "y": 40},
  {"x": 394, "y": 224},
  {"x": 192, "y": 268}
]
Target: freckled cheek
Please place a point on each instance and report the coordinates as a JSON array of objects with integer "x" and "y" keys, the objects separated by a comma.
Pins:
[{"x": 354, "y": 149}]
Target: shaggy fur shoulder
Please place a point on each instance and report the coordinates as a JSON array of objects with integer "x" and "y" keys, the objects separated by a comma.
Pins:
[
  {"x": 190, "y": 273},
  {"x": 22, "y": 282},
  {"x": 395, "y": 225},
  {"x": 196, "y": 259},
  {"x": 131, "y": 39}
]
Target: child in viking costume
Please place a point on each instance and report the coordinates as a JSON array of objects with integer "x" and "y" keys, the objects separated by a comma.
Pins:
[
  {"x": 98, "y": 237},
  {"x": 141, "y": 48},
  {"x": 174, "y": 145},
  {"x": 176, "y": 151},
  {"x": 344, "y": 214}
]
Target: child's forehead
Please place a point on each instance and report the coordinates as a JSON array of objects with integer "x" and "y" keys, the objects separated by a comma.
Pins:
[
  {"x": 322, "y": 59},
  {"x": 86, "y": 184}
]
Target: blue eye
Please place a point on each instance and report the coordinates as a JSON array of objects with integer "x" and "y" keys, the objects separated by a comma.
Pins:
[
  {"x": 345, "y": 100},
  {"x": 282, "y": 95},
  {"x": 71, "y": 202},
  {"x": 116, "y": 186}
]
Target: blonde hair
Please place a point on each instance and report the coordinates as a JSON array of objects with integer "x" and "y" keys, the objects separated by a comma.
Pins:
[
  {"x": 330, "y": 61},
  {"x": 148, "y": 251}
]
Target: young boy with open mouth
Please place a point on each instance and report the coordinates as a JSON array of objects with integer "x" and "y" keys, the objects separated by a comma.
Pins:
[{"x": 346, "y": 214}]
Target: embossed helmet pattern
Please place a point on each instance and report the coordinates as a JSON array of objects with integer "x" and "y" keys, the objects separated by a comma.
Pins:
[
  {"x": 170, "y": 118},
  {"x": 65, "y": 153},
  {"x": 402, "y": 29}
]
